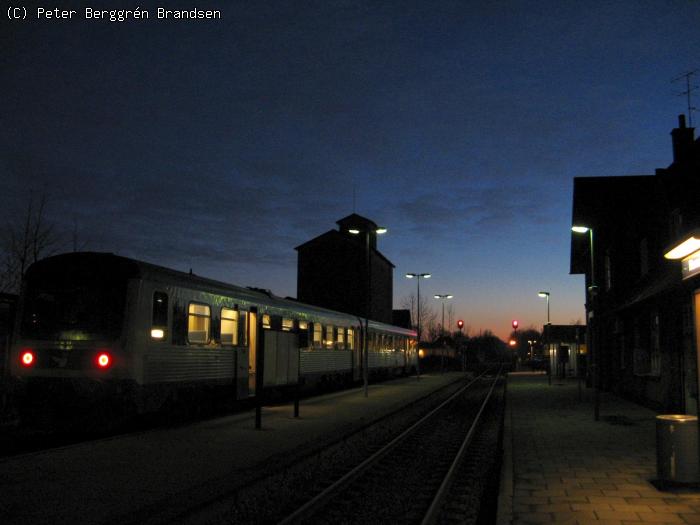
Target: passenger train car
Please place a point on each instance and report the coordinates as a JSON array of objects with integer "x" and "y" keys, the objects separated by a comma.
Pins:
[{"x": 106, "y": 324}]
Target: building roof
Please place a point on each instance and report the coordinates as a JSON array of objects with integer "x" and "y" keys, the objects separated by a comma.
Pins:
[
  {"x": 564, "y": 332},
  {"x": 334, "y": 236}
]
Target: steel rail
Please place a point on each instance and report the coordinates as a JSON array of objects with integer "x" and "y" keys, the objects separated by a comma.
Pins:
[
  {"x": 328, "y": 492},
  {"x": 435, "y": 507}
]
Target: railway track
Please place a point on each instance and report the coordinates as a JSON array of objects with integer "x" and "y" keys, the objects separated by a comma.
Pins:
[{"x": 421, "y": 476}]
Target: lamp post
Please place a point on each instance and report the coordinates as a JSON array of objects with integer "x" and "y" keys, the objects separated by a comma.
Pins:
[
  {"x": 442, "y": 298},
  {"x": 591, "y": 320},
  {"x": 545, "y": 295},
  {"x": 368, "y": 301},
  {"x": 418, "y": 277},
  {"x": 549, "y": 350}
]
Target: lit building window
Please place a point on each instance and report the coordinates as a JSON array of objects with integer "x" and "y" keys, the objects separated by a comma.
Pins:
[
  {"x": 229, "y": 326},
  {"x": 198, "y": 323}
]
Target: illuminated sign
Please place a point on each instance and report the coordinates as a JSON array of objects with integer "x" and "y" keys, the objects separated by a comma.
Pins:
[{"x": 691, "y": 265}]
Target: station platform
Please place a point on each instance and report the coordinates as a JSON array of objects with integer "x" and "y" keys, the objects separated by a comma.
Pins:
[
  {"x": 151, "y": 477},
  {"x": 561, "y": 466}
]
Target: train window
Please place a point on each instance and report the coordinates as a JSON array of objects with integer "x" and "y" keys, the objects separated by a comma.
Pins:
[
  {"x": 351, "y": 339},
  {"x": 266, "y": 321},
  {"x": 229, "y": 326},
  {"x": 198, "y": 323},
  {"x": 317, "y": 335},
  {"x": 303, "y": 325},
  {"x": 341, "y": 336},
  {"x": 329, "y": 336},
  {"x": 287, "y": 325},
  {"x": 160, "y": 309}
]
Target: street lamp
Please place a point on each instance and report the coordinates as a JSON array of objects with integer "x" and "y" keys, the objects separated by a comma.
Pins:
[
  {"x": 368, "y": 300},
  {"x": 545, "y": 295},
  {"x": 418, "y": 277},
  {"x": 443, "y": 297},
  {"x": 546, "y": 341},
  {"x": 591, "y": 320}
]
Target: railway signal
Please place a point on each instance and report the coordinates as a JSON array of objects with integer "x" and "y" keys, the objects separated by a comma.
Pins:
[
  {"x": 515, "y": 324},
  {"x": 460, "y": 325}
]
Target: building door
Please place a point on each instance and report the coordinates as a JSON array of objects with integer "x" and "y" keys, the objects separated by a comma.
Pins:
[{"x": 252, "y": 349}]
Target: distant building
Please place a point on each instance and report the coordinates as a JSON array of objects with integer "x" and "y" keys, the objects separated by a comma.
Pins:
[
  {"x": 332, "y": 271},
  {"x": 643, "y": 314},
  {"x": 565, "y": 346}
]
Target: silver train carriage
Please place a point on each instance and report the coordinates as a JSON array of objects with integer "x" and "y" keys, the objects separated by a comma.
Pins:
[{"x": 102, "y": 322}]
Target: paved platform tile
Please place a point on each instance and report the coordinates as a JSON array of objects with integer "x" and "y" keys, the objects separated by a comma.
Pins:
[{"x": 660, "y": 517}]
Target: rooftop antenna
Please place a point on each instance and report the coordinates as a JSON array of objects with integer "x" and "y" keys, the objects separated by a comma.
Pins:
[
  {"x": 688, "y": 90},
  {"x": 353, "y": 198}
]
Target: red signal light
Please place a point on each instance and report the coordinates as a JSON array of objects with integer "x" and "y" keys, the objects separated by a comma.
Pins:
[
  {"x": 460, "y": 324},
  {"x": 27, "y": 358},
  {"x": 515, "y": 324},
  {"x": 104, "y": 360}
]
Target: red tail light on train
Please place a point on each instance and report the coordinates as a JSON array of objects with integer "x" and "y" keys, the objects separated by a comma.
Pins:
[
  {"x": 104, "y": 360},
  {"x": 27, "y": 358}
]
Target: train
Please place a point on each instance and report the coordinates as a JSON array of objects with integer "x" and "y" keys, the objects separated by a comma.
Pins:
[{"x": 107, "y": 325}]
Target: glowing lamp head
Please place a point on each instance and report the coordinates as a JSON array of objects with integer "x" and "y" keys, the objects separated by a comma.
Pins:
[
  {"x": 580, "y": 229},
  {"x": 460, "y": 324},
  {"x": 421, "y": 353},
  {"x": 515, "y": 324},
  {"x": 689, "y": 246},
  {"x": 27, "y": 358},
  {"x": 543, "y": 294},
  {"x": 104, "y": 360},
  {"x": 381, "y": 230},
  {"x": 512, "y": 342},
  {"x": 157, "y": 333},
  {"x": 354, "y": 231}
]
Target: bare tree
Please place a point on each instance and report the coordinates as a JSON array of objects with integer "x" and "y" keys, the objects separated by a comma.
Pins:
[
  {"x": 428, "y": 315},
  {"x": 24, "y": 242}
]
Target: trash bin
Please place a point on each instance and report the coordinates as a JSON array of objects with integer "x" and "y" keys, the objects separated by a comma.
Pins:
[{"x": 677, "y": 448}]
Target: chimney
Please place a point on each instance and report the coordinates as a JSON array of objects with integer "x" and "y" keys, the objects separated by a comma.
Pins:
[{"x": 682, "y": 138}]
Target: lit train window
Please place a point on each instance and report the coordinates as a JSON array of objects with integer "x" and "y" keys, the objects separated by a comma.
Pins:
[
  {"x": 266, "y": 321},
  {"x": 198, "y": 323},
  {"x": 341, "y": 336},
  {"x": 329, "y": 336},
  {"x": 317, "y": 335},
  {"x": 303, "y": 325},
  {"x": 229, "y": 326},
  {"x": 287, "y": 325},
  {"x": 351, "y": 339}
]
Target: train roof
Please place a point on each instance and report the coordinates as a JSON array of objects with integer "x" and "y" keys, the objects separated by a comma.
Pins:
[{"x": 133, "y": 268}]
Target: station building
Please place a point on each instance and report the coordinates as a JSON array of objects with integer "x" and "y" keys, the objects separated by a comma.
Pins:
[
  {"x": 643, "y": 309},
  {"x": 342, "y": 268}
]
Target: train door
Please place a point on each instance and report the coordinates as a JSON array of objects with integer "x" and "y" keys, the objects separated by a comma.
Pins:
[{"x": 252, "y": 349}]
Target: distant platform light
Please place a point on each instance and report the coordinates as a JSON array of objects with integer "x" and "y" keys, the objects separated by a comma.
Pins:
[{"x": 157, "y": 333}]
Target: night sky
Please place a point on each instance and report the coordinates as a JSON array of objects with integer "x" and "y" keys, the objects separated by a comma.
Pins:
[{"x": 220, "y": 145}]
